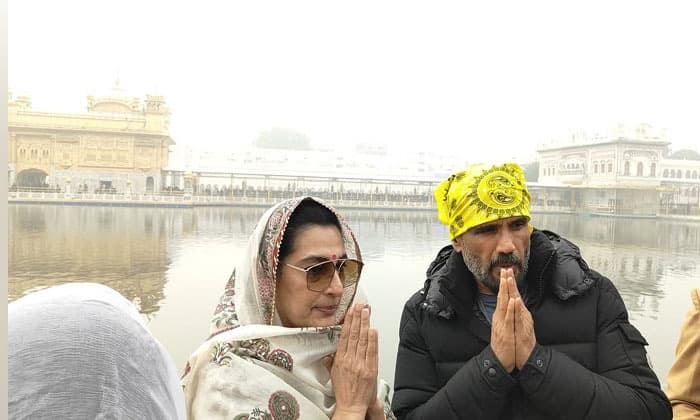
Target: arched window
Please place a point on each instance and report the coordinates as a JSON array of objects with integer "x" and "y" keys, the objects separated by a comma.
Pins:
[
  {"x": 627, "y": 168},
  {"x": 609, "y": 166},
  {"x": 595, "y": 167},
  {"x": 652, "y": 169},
  {"x": 640, "y": 169},
  {"x": 687, "y": 174},
  {"x": 695, "y": 174},
  {"x": 665, "y": 173}
]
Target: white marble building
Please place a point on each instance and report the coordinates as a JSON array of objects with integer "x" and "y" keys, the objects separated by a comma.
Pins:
[{"x": 626, "y": 171}]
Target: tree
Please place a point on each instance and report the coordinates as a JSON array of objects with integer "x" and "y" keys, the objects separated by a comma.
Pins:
[
  {"x": 532, "y": 171},
  {"x": 283, "y": 138},
  {"x": 685, "y": 154}
]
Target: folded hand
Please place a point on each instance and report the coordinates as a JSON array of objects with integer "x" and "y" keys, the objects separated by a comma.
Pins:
[{"x": 354, "y": 367}]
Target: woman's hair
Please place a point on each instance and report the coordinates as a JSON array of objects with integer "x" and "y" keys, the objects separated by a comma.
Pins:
[{"x": 307, "y": 213}]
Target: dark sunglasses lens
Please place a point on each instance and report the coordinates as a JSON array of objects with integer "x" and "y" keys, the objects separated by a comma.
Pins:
[
  {"x": 350, "y": 272},
  {"x": 319, "y": 276}
]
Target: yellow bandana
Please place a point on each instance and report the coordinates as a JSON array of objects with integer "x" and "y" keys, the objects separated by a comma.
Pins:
[{"x": 481, "y": 194}]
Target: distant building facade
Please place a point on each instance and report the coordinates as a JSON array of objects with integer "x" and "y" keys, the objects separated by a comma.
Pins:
[
  {"x": 120, "y": 144},
  {"x": 364, "y": 169},
  {"x": 625, "y": 172}
]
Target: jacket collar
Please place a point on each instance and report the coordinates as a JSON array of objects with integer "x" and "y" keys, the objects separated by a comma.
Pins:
[
  {"x": 555, "y": 264},
  {"x": 570, "y": 275}
]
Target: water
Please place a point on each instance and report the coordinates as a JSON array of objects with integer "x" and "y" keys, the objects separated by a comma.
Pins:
[{"x": 173, "y": 263}]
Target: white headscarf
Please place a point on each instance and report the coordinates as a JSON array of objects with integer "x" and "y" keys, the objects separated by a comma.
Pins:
[
  {"x": 82, "y": 351},
  {"x": 252, "y": 367}
]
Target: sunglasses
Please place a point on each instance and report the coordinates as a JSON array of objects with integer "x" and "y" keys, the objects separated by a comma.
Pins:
[{"x": 319, "y": 276}]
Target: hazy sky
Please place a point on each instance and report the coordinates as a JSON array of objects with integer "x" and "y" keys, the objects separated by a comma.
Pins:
[{"x": 485, "y": 78}]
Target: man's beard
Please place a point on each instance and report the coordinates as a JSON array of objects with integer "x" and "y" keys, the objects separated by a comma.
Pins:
[{"x": 484, "y": 276}]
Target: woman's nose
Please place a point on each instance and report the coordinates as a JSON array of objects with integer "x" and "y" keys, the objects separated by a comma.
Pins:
[{"x": 335, "y": 287}]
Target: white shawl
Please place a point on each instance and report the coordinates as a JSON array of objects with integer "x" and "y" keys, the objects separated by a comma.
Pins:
[{"x": 82, "y": 351}]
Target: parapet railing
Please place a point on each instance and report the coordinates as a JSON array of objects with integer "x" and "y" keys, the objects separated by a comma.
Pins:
[
  {"x": 197, "y": 200},
  {"x": 261, "y": 200}
]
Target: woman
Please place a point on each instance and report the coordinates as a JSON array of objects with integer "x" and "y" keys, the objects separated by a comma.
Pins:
[
  {"x": 82, "y": 351},
  {"x": 276, "y": 349}
]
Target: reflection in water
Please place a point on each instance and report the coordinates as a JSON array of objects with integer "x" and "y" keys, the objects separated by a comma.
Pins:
[
  {"x": 636, "y": 254},
  {"x": 656, "y": 234},
  {"x": 400, "y": 233},
  {"x": 124, "y": 248},
  {"x": 173, "y": 263}
]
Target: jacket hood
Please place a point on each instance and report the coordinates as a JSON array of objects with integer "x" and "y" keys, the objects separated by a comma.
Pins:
[{"x": 555, "y": 263}]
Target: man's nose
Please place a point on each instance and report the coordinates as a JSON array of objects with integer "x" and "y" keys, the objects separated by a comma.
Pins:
[{"x": 505, "y": 243}]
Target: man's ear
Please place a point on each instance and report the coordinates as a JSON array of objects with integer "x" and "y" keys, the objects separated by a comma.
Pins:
[{"x": 457, "y": 245}]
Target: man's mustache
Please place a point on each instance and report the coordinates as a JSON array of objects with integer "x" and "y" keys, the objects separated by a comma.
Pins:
[{"x": 506, "y": 259}]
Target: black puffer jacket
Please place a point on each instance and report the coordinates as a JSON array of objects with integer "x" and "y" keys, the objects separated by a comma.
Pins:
[{"x": 589, "y": 361}]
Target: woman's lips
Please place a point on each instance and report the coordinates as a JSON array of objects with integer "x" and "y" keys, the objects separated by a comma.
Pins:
[{"x": 327, "y": 309}]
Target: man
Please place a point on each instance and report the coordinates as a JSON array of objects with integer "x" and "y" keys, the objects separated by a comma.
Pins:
[{"x": 511, "y": 322}]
